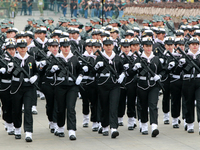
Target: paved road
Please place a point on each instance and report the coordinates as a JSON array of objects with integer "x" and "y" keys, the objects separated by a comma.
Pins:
[{"x": 168, "y": 138}]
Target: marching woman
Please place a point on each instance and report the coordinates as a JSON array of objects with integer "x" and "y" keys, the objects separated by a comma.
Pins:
[
  {"x": 89, "y": 94},
  {"x": 6, "y": 97},
  {"x": 147, "y": 88},
  {"x": 68, "y": 76},
  {"x": 47, "y": 86},
  {"x": 128, "y": 93},
  {"x": 191, "y": 83},
  {"x": 109, "y": 66},
  {"x": 22, "y": 89}
]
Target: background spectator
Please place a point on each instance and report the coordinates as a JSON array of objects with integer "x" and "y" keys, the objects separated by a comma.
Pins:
[
  {"x": 64, "y": 7},
  {"x": 24, "y": 7},
  {"x": 71, "y": 7},
  {"x": 40, "y": 6},
  {"x": 30, "y": 4}
]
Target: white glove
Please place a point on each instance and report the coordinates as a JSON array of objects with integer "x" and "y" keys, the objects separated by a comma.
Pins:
[
  {"x": 2, "y": 70},
  {"x": 43, "y": 63},
  {"x": 98, "y": 65},
  {"x": 121, "y": 78},
  {"x": 182, "y": 61},
  {"x": 161, "y": 60},
  {"x": 85, "y": 68},
  {"x": 137, "y": 66},
  {"x": 10, "y": 66},
  {"x": 78, "y": 80},
  {"x": 156, "y": 77},
  {"x": 126, "y": 66},
  {"x": 54, "y": 68},
  {"x": 80, "y": 62},
  {"x": 33, "y": 79},
  {"x": 171, "y": 65}
]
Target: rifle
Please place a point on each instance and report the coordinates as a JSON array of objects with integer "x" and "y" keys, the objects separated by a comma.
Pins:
[
  {"x": 64, "y": 69},
  {"x": 145, "y": 65},
  {"x": 128, "y": 59},
  {"x": 170, "y": 54},
  {"x": 20, "y": 69},
  {"x": 170, "y": 27},
  {"x": 81, "y": 58},
  {"x": 110, "y": 68},
  {"x": 190, "y": 61}
]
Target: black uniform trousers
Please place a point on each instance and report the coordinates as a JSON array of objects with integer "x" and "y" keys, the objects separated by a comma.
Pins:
[
  {"x": 23, "y": 96},
  {"x": 130, "y": 94},
  {"x": 191, "y": 92},
  {"x": 90, "y": 99},
  {"x": 34, "y": 103},
  {"x": 51, "y": 106},
  {"x": 66, "y": 97},
  {"x": 6, "y": 100},
  {"x": 176, "y": 94},
  {"x": 109, "y": 94},
  {"x": 166, "y": 96},
  {"x": 149, "y": 98}
]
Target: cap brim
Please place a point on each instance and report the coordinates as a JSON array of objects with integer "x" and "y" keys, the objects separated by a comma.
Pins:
[
  {"x": 53, "y": 43},
  {"x": 96, "y": 44},
  {"x": 21, "y": 45},
  {"x": 88, "y": 44},
  {"x": 132, "y": 43},
  {"x": 169, "y": 43},
  {"x": 64, "y": 44},
  {"x": 125, "y": 44},
  {"x": 107, "y": 42},
  {"x": 10, "y": 46},
  {"x": 147, "y": 43}
]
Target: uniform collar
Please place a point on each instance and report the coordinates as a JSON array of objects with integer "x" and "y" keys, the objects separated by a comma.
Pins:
[
  {"x": 148, "y": 58},
  {"x": 66, "y": 58},
  {"x": 109, "y": 57}
]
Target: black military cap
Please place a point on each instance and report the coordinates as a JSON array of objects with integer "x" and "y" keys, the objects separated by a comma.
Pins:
[
  {"x": 147, "y": 41},
  {"x": 10, "y": 45},
  {"x": 107, "y": 40},
  {"x": 169, "y": 40},
  {"x": 21, "y": 43},
  {"x": 134, "y": 41},
  {"x": 125, "y": 42},
  {"x": 64, "y": 42},
  {"x": 179, "y": 41},
  {"x": 88, "y": 42},
  {"x": 179, "y": 32},
  {"x": 52, "y": 42},
  {"x": 29, "y": 34},
  {"x": 96, "y": 43},
  {"x": 193, "y": 40}
]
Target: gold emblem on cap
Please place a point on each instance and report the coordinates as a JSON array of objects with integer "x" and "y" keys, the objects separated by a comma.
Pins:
[
  {"x": 195, "y": 38},
  {"x": 170, "y": 38},
  {"x": 54, "y": 40},
  {"x": 65, "y": 40},
  {"x": 149, "y": 39},
  {"x": 23, "y": 41},
  {"x": 126, "y": 40},
  {"x": 108, "y": 38}
]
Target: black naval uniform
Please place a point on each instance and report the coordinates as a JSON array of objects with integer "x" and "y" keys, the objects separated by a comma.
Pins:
[
  {"x": 130, "y": 93},
  {"x": 23, "y": 91},
  {"x": 109, "y": 91},
  {"x": 89, "y": 94},
  {"x": 191, "y": 90},
  {"x": 66, "y": 92}
]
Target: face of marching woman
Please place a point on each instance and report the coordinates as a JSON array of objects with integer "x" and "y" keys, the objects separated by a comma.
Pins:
[
  {"x": 11, "y": 51},
  {"x": 89, "y": 49},
  {"x": 95, "y": 48},
  {"x": 194, "y": 47},
  {"x": 22, "y": 50},
  {"x": 169, "y": 47},
  {"x": 108, "y": 48},
  {"x": 147, "y": 49},
  {"x": 125, "y": 49},
  {"x": 53, "y": 49},
  {"x": 182, "y": 46},
  {"x": 65, "y": 50},
  {"x": 135, "y": 47}
]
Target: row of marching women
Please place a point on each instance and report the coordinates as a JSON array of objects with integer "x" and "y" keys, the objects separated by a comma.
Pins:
[{"x": 111, "y": 71}]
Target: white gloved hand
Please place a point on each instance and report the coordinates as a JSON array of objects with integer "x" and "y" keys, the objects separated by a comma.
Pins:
[
  {"x": 54, "y": 68},
  {"x": 182, "y": 61},
  {"x": 43, "y": 63},
  {"x": 161, "y": 60},
  {"x": 80, "y": 62},
  {"x": 10, "y": 66},
  {"x": 137, "y": 66},
  {"x": 33, "y": 79},
  {"x": 98, "y": 65},
  {"x": 85, "y": 68},
  {"x": 121, "y": 78},
  {"x": 78, "y": 80},
  {"x": 171, "y": 65},
  {"x": 2, "y": 70},
  {"x": 126, "y": 66},
  {"x": 156, "y": 77}
]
